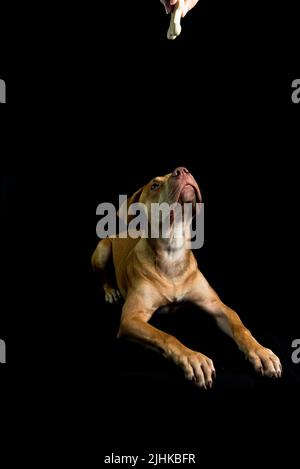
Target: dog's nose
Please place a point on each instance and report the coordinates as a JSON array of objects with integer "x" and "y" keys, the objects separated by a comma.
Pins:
[{"x": 180, "y": 171}]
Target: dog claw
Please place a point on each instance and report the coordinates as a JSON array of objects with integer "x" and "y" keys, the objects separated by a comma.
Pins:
[{"x": 112, "y": 295}]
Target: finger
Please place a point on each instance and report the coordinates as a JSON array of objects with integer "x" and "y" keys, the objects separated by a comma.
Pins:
[
  {"x": 167, "y": 6},
  {"x": 184, "y": 10},
  {"x": 188, "y": 5}
]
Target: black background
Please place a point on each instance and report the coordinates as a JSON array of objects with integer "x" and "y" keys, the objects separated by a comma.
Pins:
[{"x": 103, "y": 105}]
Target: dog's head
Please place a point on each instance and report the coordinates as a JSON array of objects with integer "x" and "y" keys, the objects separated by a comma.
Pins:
[
  {"x": 172, "y": 192},
  {"x": 177, "y": 187}
]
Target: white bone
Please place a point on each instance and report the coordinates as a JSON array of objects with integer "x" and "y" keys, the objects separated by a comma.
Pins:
[{"x": 175, "y": 26}]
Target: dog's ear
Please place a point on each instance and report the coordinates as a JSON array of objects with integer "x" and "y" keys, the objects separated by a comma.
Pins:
[
  {"x": 134, "y": 199},
  {"x": 123, "y": 211}
]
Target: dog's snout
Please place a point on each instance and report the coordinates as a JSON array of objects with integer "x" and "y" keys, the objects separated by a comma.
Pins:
[{"x": 180, "y": 171}]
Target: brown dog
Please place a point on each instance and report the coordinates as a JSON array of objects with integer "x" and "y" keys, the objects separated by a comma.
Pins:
[{"x": 151, "y": 273}]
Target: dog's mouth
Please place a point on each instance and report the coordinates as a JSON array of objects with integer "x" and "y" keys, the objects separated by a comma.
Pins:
[
  {"x": 185, "y": 192},
  {"x": 189, "y": 194}
]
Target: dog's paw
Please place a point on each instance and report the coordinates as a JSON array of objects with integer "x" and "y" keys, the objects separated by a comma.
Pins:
[
  {"x": 198, "y": 368},
  {"x": 265, "y": 362},
  {"x": 112, "y": 295}
]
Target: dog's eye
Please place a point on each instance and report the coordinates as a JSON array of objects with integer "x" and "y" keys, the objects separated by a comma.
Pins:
[{"x": 155, "y": 186}]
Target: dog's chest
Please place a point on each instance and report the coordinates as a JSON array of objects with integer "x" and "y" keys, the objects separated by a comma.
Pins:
[{"x": 174, "y": 292}]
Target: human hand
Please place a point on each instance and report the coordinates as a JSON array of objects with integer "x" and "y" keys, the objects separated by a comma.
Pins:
[{"x": 188, "y": 5}]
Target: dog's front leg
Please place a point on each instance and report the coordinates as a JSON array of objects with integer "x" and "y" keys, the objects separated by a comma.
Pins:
[
  {"x": 134, "y": 326},
  {"x": 263, "y": 359},
  {"x": 100, "y": 262}
]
